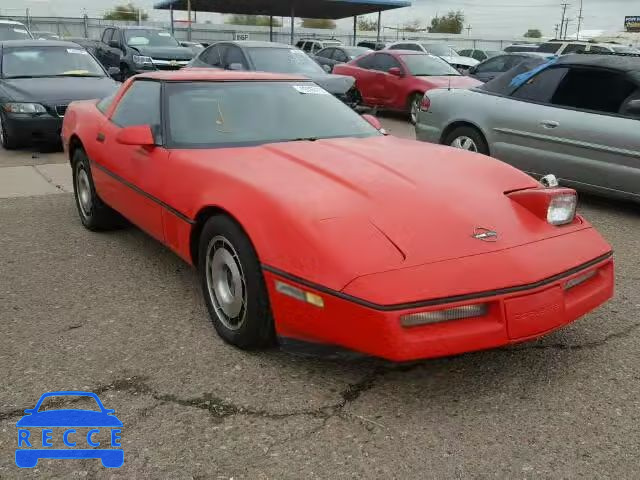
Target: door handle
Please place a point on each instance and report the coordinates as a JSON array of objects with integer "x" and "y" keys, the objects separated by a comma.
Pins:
[
  {"x": 100, "y": 137},
  {"x": 549, "y": 124}
]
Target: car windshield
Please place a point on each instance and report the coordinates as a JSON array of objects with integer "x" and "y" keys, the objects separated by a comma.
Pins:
[
  {"x": 14, "y": 32},
  {"x": 68, "y": 401},
  {"x": 354, "y": 52},
  {"x": 428, "y": 65},
  {"x": 440, "y": 50},
  {"x": 149, "y": 38},
  {"x": 27, "y": 62},
  {"x": 623, "y": 49},
  {"x": 216, "y": 114},
  {"x": 283, "y": 60}
]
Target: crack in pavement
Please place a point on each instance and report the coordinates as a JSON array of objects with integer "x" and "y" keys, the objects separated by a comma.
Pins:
[{"x": 585, "y": 346}]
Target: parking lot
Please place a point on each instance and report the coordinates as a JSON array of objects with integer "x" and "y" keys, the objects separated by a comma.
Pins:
[{"x": 119, "y": 315}]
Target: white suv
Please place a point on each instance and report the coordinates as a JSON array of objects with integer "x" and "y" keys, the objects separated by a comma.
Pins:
[
  {"x": 442, "y": 50},
  {"x": 563, "y": 47}
]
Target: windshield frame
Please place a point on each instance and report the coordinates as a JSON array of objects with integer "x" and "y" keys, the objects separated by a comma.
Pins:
[
  {"x": 170, "y": 144},
  {"x": 127, "y": 36},
  {"x": 75, "y": 47}
]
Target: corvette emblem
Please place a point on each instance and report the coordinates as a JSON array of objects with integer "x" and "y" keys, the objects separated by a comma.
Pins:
[{"x": 485, "y": 234}]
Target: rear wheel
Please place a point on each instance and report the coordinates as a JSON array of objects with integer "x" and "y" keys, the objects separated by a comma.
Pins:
[
  {"x": 414, "y": 107},
  {"x": 467, "y": 138},
  {"x": 233, "y": 285},
  {"x": 94, "y": 214}
]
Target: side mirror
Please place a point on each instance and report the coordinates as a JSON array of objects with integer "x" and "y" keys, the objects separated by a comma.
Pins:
[
  {"x": 395, "y": 71},
  {"x": 114, "y": 72},
  {"x": 236, "y": 67},
  {"x": 633, "y": 107},
  {"x": 473, "y": 70},
  {"x": 114, "y": 44},
  {"x": 373, "y": 121},
  {"x": 140, "y": 135},
  {"x": 326, "y": 68}
]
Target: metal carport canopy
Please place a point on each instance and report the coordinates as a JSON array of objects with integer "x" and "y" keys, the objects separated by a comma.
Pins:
[{"x": 333, "y": 9}]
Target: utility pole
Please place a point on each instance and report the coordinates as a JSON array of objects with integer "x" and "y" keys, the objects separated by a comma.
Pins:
[
  {"x": 557, "y": 28},
  {"x": 564, "y": 12},
  {"x": 566, "y": 27},
  {"x": 468, "y": 29},
  {"x": 580, "y": 18}
]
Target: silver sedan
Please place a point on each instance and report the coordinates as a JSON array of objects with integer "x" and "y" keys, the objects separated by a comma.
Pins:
[{"x": 576, "y": 116}]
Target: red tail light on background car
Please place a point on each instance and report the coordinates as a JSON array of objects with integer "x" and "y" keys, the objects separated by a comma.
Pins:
[
  {"x": 556, "y": 205},
  {"x": 425, "y": 105}
]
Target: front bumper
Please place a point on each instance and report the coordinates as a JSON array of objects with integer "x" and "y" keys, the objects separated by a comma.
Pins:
[
  {"x": 28, "y": 129},
  {"x": 520, "y": 314},
  {"x": 425, "y": 132}
]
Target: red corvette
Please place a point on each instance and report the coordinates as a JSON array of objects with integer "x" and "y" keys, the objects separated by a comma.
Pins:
[
  {"x": 398, "y": 79},
  {"x": 306, "y": 222}
]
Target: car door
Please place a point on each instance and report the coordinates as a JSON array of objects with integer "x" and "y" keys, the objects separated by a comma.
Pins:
[
  {"x": 366, "y": 77},
  {"x": 324, "y": 57},
  {"x": 132, "y": 179},
  {"x": 101, "y": 50},
  {"x": 112, "y": 54},
  {"x": 388, "y": 87},
  {"x": 214, "y": 56},
  {"x": 339, "y": 56}
]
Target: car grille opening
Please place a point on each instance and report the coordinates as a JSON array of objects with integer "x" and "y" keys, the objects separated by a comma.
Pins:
[{"x": 61, "y": 110}]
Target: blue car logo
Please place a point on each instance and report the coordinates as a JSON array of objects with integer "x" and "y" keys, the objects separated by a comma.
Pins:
[{"x": 82, "y": 433}]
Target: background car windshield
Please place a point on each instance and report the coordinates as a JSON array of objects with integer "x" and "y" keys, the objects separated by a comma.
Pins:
[
  {"x": 440, "y": 50},
  {"x": 212, "y": 114},
  {"x": 427, "y": 65},
  {"x": 14, "y": 32},
  {"x": 49, "y": 62},
  {"x": 354, "y": 52},
  {"x": 149, "y": 38},
  {"x": 284, "y": 60}
]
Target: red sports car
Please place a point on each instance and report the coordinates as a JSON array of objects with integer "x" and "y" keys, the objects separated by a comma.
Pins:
[
  {"x": 398, "y": 79},
  {"x": 305, "y": 221}
]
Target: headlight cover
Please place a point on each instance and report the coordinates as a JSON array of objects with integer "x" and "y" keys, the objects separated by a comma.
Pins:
[
  {"x": 18, "y": 107},
  {"x": 142, "y": 60},
  {"x": 562, "y": 209}
]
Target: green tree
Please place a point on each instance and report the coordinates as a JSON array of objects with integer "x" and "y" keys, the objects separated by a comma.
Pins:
[
  {"x": 533, "y": 33},
  {"x": 254, "y": 20},
  {"x": 125, "y": 12},
  {"x": 452, "y": 22},
  {"x": 367, "y": 25},
  {"x": 413, "y": 26},
  {"x": 318, "y": 23}
]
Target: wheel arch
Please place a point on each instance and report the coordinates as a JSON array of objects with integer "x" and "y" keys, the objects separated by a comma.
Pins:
[
  {"x": 464, "y": 123},
  {"x": 74, "y": 144}
]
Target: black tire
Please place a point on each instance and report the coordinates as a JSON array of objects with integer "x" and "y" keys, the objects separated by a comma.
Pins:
[
  {"x": 94, "y": 214},
  {"x": 222, "y": 240},
  {"x": 125, "y": 72},
  {"x": 7, "y": 142},
  {"x": 472, "y": 133},
  {"x": 414, "y": 103}
]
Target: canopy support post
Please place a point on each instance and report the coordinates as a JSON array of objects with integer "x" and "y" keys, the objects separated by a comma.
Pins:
[
  {"x": 379, "y": 24},
  {"x": 355, "y": 29},
  {"x": 271, "y": 28},
  {"x": 189, "y": 17},
  {"x": 172, "y": 24},
  {"x": 293, "y": 23}
]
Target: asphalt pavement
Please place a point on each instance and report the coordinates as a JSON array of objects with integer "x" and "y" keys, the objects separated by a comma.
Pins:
[{"x": 118, "y": 314}]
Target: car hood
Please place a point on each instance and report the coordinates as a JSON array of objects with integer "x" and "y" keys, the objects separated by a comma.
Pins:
[
  {"x": 165, "y": 53},
  {"x": 380, "y": 203},
  {"x": 69, "y": 418},
  {"x": 335, "y": 84},
  {"x": 458, "y": 81},
  {"x": 465, "y": 61},
  {"x": 57, "y": 89}
]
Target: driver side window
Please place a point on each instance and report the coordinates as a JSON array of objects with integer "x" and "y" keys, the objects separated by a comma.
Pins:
[
  {"x": 541, "y": 87},
  {"x": 140, "y": 105},
  {"x": 384, "y": 62},
  {"x": 214, "y": 55}
]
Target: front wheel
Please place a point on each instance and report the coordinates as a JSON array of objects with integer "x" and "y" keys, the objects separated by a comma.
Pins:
[
  {"x": 467, "y": 138},
  {"x": 233, "y": 285},
  {"x": 6, "y": 141}
]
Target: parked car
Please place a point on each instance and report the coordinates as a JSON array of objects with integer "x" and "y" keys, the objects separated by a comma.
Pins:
[
  {"x": 196, "y": 47},
  {"x": 39, "y": 80},
  {"x": 331, "y": 56},
  {"x": 305, "y": 221},
  {"x": 277, "y": 58},
  {"x": 491, "y": 68},
  {"x": 445, "y": 52},
  {"x": 372, "y": 45},
  {"x": 312, "y": 46},
  {"x": 398, "y": 79},
  {"x": 42, "y": 35},
  {"x": 140, "y": 49},
  {"x": 564, "y": 47},
  {"x": 577, "y": 116},
  {"x": 522, "y": 47},
  {"x": 479, "y": 55},
  {"x": 89, "y": 45},
  {"x": 11, "y": 30}
]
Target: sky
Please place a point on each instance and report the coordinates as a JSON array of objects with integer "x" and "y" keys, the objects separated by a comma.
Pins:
[{"x": 486, "y": 17}]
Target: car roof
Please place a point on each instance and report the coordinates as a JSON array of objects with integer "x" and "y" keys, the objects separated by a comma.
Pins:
[
  {"x": 214, "y": 75},
  {"x": 38, "y": 43},
  {"x": 134, "y": 27},
  {"x": 613, "y": 62},
  {"x": 256, "y": 44}
]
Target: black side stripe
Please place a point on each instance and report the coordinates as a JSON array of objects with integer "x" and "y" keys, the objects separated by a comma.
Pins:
[
  {"x": 437, "y": 301},
  {"x": 169, "y": 208}
]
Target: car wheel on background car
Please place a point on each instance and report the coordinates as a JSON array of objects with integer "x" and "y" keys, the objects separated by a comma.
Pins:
[
  {"x": 94, "y": 214},
  {"x": 467, "y": 138},
  {"x": 233, "y": 285},
  {"x": 414, "y": 107},
  {"x": 5, "y": 140}
]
